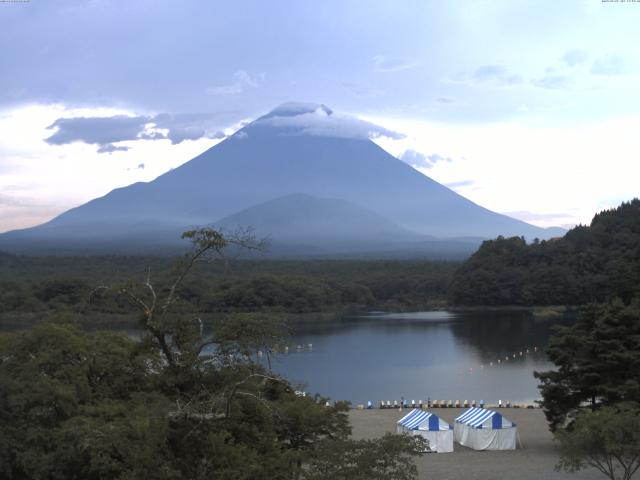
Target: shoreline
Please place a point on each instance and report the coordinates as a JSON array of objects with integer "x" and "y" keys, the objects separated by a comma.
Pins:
[
  {"x": 117, "y": 321},
  {"x": 534, "y": 459}
]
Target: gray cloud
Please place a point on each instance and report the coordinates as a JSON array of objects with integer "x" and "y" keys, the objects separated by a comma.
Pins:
[
  {"x": 139, "y": 167},
  {"x": 574, "y": 57},
  {"x": 553, "y": 82},
  {"x": 105, "y": 131},
  {"x": 385, "y": 63},
  {"x": 110, "y": 148},
  {"x": 497, "y": 75},
  {"x": 417, "y": 159},
  {"x": 188, "y": 126},
  {"x": 445, "y": 100},
  {"x": 610, "y": 65},
  {"x": 180, "y": 134},
  {"x": 184, "y": 48},
  {"x": 318, "y": 120},
  {"x": 96, "y": 130}
]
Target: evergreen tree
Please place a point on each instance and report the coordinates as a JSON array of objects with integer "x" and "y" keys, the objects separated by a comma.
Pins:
[
  {"x": 597, "y": 360},
  {"x": 589, "y": 264}
]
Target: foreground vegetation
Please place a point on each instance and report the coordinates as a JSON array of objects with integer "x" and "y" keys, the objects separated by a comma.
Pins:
[
  {"x": 99, "y": 405},
  {"x": 592, "y": 398},
  {"x": 78, "y": 405}
]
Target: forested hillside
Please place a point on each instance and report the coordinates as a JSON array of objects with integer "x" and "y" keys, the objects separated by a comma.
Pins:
[
  {"x": 37, "y": 288},
  {"x": 590, "y": 263}
]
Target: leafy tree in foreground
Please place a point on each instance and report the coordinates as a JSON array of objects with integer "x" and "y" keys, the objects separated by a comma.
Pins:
[
  {"x": 378, "y": 459},
  {"x": 607, "y": 440},
  {"x": 598, "y": 362},
  {"x": 77, "y": 405}
]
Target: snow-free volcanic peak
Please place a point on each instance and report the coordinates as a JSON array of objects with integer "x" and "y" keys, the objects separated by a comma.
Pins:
[{"x": 297, "y": 148}]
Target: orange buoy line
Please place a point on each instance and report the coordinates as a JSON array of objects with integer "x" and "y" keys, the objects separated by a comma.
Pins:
[{"x": 509, "y": 357}]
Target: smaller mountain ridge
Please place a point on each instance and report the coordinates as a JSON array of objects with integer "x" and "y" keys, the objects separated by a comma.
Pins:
[
  {"x": 356, "y": 194},
  {"x": 301, "y": 217}
]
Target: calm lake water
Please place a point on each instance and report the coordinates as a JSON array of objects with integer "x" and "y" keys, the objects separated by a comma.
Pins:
[
  {"x": 438, "y": 354},
  {"x": 441, "y": 355}
]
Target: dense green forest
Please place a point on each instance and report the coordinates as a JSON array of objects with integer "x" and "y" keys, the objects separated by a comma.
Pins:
[
  {"x": 36, "y": 288},
  {"x": 589, "y": 264},
  {"x": 93, "y": 406}
]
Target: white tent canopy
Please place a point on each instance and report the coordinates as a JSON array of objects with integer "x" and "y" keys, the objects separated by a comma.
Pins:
[
  {"x": 483, "y": 429},
  {"x": 429, "y": 426}
]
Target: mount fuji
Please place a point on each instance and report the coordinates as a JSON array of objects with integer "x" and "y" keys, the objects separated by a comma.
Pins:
[{"x": 304, "y": 176}]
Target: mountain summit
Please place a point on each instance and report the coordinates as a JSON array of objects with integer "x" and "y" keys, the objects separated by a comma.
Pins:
[{"x": 297, "y": 148}]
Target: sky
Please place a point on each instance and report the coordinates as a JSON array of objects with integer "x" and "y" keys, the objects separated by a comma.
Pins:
[{"x": 526, "y": 107}]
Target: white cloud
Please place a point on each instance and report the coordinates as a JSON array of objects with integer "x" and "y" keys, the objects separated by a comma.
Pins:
[
  {"x": 551, "y": 219},
  {"x": 39, "y": 181},
  {"x": 460, "y": 184},
  {"x": 420, "y": 160},
  {"x": 311, "y": 119},
  {"x": 242, "y": 82},
  {"x": 531, "y": 167}
]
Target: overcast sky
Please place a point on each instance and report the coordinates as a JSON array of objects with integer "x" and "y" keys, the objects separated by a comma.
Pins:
[{"x": 530, "y": 108}]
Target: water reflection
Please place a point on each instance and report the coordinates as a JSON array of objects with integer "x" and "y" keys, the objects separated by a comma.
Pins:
[{"x": 441, "y": 355}]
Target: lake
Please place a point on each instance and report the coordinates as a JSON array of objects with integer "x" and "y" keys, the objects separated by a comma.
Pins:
[
  {"x": 486, "y": 356},
  {"x": 472, "y": 355}
]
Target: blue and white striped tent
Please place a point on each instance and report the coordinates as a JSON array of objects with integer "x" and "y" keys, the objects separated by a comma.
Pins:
[
  {"x": 483, "y": 429},
  {"x": 428, "y": 425}
]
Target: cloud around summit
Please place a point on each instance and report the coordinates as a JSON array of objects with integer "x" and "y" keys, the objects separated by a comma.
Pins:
[{"x": 318, "y": 120}]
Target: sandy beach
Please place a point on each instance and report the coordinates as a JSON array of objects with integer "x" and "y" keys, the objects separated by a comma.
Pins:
[{"x": 535, "y": 460}]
